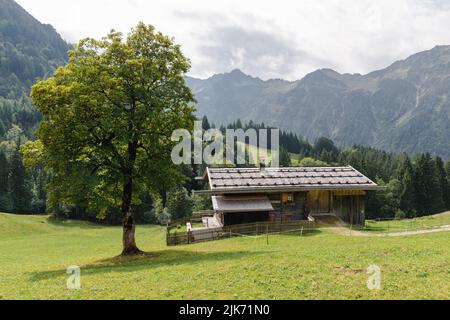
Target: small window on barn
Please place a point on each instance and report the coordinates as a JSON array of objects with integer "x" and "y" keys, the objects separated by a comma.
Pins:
[{"x": 288, "y": 197}]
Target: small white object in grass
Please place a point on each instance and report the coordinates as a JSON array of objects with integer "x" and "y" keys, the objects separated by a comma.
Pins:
[
  {"x": 374, "y": 281},
  {"x": 74, "y": 280}
]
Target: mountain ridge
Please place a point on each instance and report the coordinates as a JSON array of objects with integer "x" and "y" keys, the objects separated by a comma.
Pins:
[
  {"x": 403, "y": 107},
  {"x": 29, "y": 50}
]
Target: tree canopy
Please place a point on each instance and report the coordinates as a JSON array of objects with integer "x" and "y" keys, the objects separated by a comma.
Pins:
[{"x": 108, "y": 117}]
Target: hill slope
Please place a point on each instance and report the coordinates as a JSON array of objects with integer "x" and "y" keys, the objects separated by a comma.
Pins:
[
  {"x": 35, "y": 254},
  {"x": 403, "y": 107},
  {"x": 28, "y": 50}
]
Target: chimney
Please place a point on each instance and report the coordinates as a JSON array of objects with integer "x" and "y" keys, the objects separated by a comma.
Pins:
[{"x": 262, "y": 164}]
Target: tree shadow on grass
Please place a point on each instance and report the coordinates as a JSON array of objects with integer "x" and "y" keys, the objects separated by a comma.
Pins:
[
  {"x": 147, "y": 261},
  {"x": 299, "y": 234},
  {"x": 83, "y": 224},
  {"x": 70, "y": 223}
]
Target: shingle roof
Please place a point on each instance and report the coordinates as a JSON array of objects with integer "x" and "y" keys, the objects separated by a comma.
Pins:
[
  {"x": 260, "y": 204},
  {"x": 300, "y": 178}
]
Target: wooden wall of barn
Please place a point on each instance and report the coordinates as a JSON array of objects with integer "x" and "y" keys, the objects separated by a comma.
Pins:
[{"x": 350, "y": 208}]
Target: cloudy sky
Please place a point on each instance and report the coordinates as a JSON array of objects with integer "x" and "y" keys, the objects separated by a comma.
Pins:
[{"x": 268, "y": 39}]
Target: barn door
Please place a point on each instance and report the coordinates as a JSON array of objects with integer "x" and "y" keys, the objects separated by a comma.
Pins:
[{"x": 319, "y": 201}]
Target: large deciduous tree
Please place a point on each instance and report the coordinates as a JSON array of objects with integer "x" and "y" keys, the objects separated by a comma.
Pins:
[{"x": 108, "y": 119}]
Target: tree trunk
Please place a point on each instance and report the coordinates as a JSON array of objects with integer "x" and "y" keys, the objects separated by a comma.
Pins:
[{"x": 129, "y": 228}]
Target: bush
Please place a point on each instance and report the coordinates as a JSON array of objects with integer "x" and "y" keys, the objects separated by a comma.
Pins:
[
  {"x": 163, "y": 217},
  {"x": 310, "y": 162},
  {"x": 5, "y": 203},
  {"x": 201, "y": 202},
  {"x": 160, "y": 213},
  {"x": 149, "y": 217},
  {"x": 400, "y": 215},
  {"x": 179, "y": 204}
]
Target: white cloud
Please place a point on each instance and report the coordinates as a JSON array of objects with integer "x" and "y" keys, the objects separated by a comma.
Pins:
[{"x": 284, "y": 39}]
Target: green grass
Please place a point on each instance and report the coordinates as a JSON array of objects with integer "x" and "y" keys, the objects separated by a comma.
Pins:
[
  {"x": 34, "y": 255},
  {"x": 428, "y": 222}
]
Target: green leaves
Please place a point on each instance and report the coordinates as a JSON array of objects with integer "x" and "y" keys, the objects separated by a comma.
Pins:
[{"x": 109, "y": 115}]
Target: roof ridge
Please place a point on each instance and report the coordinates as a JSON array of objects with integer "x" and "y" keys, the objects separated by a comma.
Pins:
[
  {"x": 278, "y": 168},
  {"x": 228, "y": 179}
]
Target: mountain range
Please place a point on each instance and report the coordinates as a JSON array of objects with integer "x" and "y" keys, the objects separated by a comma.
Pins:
[{"x": 404, "y": 107}]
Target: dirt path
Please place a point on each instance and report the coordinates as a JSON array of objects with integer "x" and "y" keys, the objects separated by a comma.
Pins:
[
  {"x": 404, "y": 233},
  {"x": 354, "y": 233},
  {"x": 340, "y": 228}
]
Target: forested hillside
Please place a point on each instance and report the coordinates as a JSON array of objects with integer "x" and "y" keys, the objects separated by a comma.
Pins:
[
  {"x": 18, "y": 113},
  {"x": 415, "y": 185},
  {"x": 404, "y": 107},
  {"x": 29, "y": 50}
]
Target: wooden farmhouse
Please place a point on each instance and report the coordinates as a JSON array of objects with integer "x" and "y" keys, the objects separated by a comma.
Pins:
[{"x": 241, "y": 196}]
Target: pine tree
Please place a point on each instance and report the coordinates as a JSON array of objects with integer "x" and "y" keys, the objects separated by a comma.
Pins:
[
  {"x": 18, "y": 183},
  {"x": 390, "y": 199},
  {"x": 285, "y": 158},
  {"x": 427, "y": 188},
  {"x": 405, "y": 174},
  {"x": 442, "y": 175},
  {"x": 205, "y": 124},
  {"x": 38, "y": 181},
  {"x": 5, "y": 201},
  {"x": 3, "y": 173},
  {"x": 2, "y": 128},
  {"x": 179, "y": 204},
  {"x": 447, "y": 168}
]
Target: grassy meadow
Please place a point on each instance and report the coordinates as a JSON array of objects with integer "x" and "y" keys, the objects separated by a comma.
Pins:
[
  {"x": 428, "y": 222},
  {"x": 35, "y": 253}
]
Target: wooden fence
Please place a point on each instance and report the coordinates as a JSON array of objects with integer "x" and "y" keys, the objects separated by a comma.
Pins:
[
  {"x": 196, "y": 218},
  {"x": 175, "y": 238}
]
